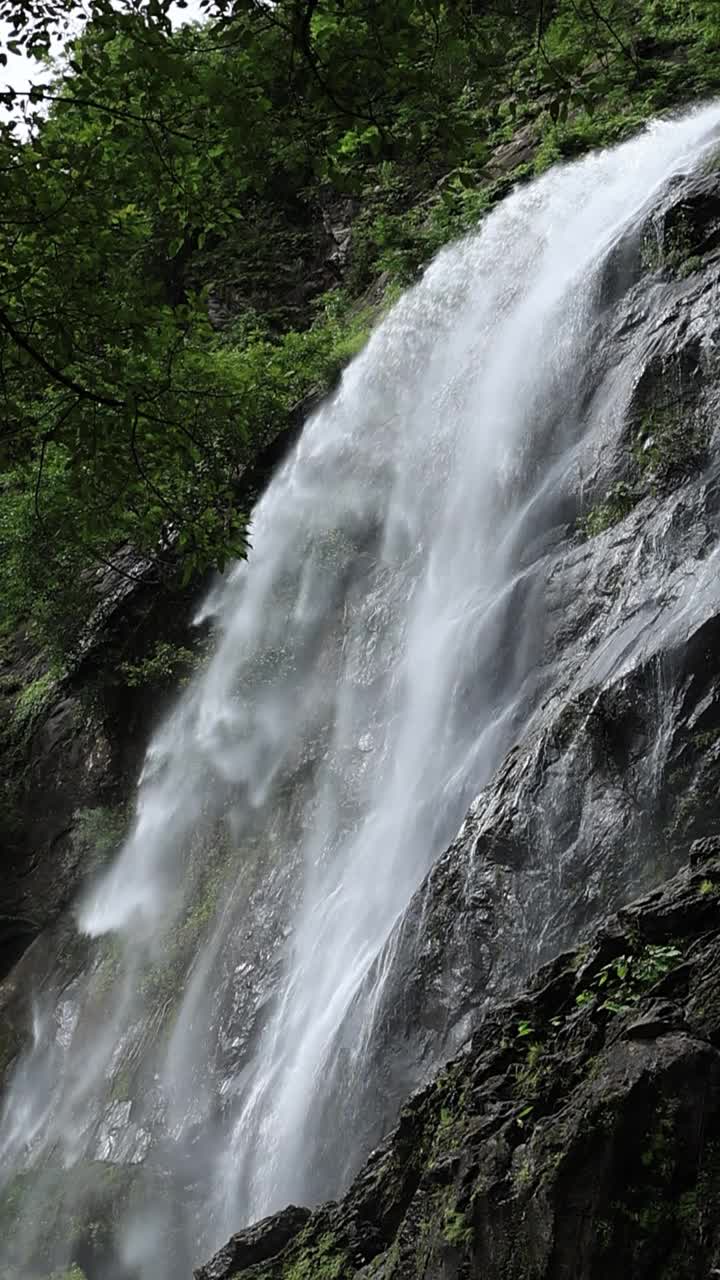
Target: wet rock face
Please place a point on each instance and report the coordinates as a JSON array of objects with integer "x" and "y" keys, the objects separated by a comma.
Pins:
[
  {"x": 619, "y": 769},
  {"x": 256, "y": 1245},
  {"x": 51, "y": 767},
  {"x": 578, "y": 1133},
  {"x": 72, "y": 746},
  {"x": 693, "y": 219}
]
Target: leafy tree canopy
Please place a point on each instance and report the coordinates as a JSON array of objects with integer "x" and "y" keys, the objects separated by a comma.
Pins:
[{"x": 159, "y": 164}]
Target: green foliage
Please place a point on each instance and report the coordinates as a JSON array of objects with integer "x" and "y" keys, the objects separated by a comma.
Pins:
[
  {"x": 690, "y": 265},
  {"x": 529, "y": 1073},
  {"x": 316, "y": 1260},
  {"x": 49, "y": 567},
  {"x": 166, "y": 296},
  {"x": 524, "y": 1115},
  {"x": 31, "y": 702},
  {"x": 622, "y": 982},
  {"x": 163, "y": 665},
  {"x": 607, "y": 65}
]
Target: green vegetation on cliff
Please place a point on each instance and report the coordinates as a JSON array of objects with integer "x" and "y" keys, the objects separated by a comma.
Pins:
[{"x": 198, "y": 223}]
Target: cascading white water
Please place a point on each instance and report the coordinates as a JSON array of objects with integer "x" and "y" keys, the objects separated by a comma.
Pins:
[{"x": 375, "y": 658}]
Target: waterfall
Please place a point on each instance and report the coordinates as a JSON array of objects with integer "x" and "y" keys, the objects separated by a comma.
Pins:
[{"x": 204, "y": 1027}]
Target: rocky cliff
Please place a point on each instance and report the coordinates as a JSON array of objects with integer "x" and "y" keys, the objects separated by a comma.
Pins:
[
  {"x": 577, "y": 1132},
  {"x": 576, "y": 1135},
  {"x": 618, "y": 770}
]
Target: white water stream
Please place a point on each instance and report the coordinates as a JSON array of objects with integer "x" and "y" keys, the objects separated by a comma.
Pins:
[{"x": 374, "y": 659}]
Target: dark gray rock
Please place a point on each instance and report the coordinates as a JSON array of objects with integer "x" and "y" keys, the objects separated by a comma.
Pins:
[
  {"x": 618, "y": 772},
  {"x": 582, "y": 1147},
  {"x": 703, "y": 849},
  {"x": 261, "y": 1242}
]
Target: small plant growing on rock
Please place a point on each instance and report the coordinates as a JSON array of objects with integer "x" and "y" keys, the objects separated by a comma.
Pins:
[
  {"x": 690, "y": 265},
  {"x": 33, "y": 700},
  {"x": 620, "y": 501},
  {"x": 669, "y": 445},
  {"x": 167, "y": 662},
  {"x": 523, "y": 1174},
  {"x": 455, "y": 1228},
  {"x": 528, "y": 1074},
  {"x": 624, "y": 980}
]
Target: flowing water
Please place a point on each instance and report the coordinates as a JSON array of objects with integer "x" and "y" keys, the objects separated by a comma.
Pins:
[{"x": 208, "y": 1023}]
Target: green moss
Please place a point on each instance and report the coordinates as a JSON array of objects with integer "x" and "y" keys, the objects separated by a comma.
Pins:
[
  {"x": 11, "y": 1200},
  {"x": 549, "y": 152},
  {"x": 121, "y": 1088},
  {"x": 101, "y": 1188},
  {"x": 448, "y": 1132},
  {"x": 98, "y": 833},
  {"x": 455, "y": 1228},
  {"x": 690, "y": 265},
  {"x": 390, "y": 1261},
  {"x": 32, "y": 701},
  {"x": 446, "y": 1126},
  {"x": 668, "y": 444},
  {"x": 320, "y": 1260},
  {"x": 207, "y": 871},
  {"x": 657, "y": 251},
  {"x": 108, "y": 967},
  {"x": 619, "y": 502}
]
